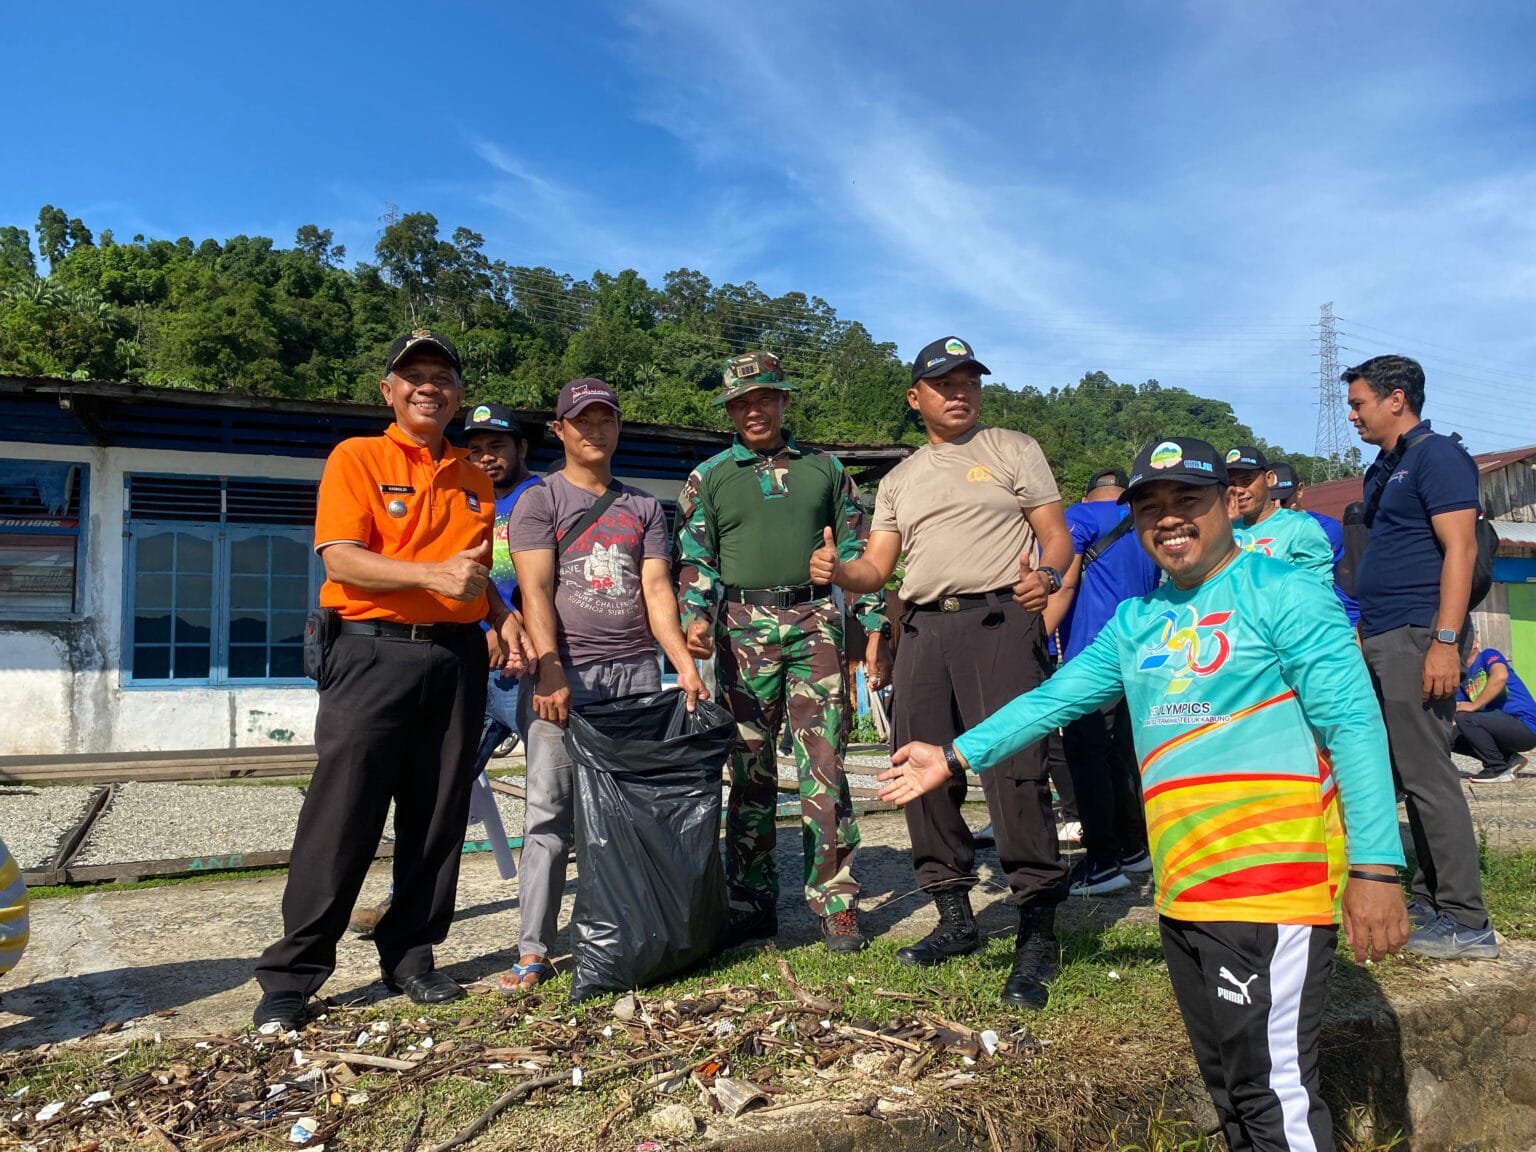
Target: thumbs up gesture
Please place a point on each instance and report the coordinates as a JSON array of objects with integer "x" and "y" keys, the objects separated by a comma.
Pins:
[
  {"x": 463, "y": 575},
  {"x": 824, "y": 563},
  {"x": 1031, "y": 591}
]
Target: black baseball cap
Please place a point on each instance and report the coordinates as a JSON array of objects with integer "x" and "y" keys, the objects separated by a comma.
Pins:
[
  {"x": 493, "y": 418},
  {"x": 1247, "y": 456},
  {"x": 1284, "y": 486},
  {"x": 418, "y": 341},
  {"x": 945, "y": 355},
  {"x": 579, "y": 394},
  {"x": 1112, "y": 478},
  {"x": 1181, "y": 458}
]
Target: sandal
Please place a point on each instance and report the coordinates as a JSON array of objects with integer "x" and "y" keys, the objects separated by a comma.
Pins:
[{"x": 540, "y": 970}]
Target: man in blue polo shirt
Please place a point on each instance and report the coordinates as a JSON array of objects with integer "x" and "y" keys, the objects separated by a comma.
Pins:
[
  {"x": 1108, "y": 566},
  {"x": 1414, "y": 585}
]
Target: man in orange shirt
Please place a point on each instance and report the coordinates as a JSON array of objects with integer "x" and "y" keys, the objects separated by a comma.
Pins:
[{"x": 403, "y": 525}]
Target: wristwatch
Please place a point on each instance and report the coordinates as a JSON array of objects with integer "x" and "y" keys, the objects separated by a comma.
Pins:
[
  {"x": 1052, "y": 575},
  {"x": 952, "y": 760},
  {"x": 1447, "y": 635}
]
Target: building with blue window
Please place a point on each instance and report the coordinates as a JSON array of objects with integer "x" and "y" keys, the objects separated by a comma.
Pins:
[
  {"x": 156, "y": 559},
  {"x": 1506, "y": 487}
]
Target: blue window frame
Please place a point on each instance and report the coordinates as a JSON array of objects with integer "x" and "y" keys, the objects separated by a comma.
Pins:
[
  {"x": 42, "y": 539},
  {"x": 217, "y": 597}
]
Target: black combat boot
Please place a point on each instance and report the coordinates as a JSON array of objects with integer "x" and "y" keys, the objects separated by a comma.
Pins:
[
  {"x": 956, "y": 934},
  {"x": 1035, "y": 959}
]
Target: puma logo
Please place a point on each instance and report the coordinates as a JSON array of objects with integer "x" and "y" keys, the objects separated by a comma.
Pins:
[{"x": 1241, "y": 995}]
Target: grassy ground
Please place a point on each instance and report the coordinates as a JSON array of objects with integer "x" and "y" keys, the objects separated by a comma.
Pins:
[{"x": 1104, "y": 1066}]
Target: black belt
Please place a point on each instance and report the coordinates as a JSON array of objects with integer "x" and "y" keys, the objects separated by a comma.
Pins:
[
  {"x": 422, "y": 633},
  {"x": 778, "y": 597},
  {"x": 967, "y": 602}
]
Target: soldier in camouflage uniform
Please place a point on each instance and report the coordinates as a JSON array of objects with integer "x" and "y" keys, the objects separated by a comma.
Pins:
[{"x": 750, "y": 517}]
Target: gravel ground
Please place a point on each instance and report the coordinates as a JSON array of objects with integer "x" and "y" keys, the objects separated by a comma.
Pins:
[
  {"x": 171, "y": 821},
  {"x": 33, "y": 821}
]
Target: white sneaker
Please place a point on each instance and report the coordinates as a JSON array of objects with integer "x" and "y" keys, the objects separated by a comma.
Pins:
[{"x": 1071, "y": 832}]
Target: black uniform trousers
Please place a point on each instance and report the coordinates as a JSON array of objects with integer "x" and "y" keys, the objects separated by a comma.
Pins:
[
  {"x": 1107, "y": 782},
  {"x": 953, "y": 670},
  {"x": 1495, "y": 738},
  {"x": 1252, "y": 999},
  {"x": 398, "y": 719}
]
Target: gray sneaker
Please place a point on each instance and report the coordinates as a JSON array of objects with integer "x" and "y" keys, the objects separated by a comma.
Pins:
[
  {"x": 1420, "y": 914},
  {"x": 1445, "y": 939}
]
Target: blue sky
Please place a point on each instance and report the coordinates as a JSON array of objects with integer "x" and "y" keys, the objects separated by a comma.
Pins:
[{"x": 1153, "y": 189}]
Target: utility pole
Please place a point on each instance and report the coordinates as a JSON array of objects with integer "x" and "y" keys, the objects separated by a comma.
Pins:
[{"x": 1332, "y": 426}]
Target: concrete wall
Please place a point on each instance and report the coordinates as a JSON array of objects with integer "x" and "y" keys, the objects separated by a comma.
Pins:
[
  {"x": 60, "y": 687},
  {"x": 60, "y": 680}
]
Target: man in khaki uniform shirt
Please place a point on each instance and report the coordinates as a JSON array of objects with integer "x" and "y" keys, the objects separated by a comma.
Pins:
[{"x": 969, "y": 509}]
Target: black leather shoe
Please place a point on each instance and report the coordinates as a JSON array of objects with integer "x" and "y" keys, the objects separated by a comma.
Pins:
[
  {"x": 956, "y": 934},
  {"x": 286, "y": 1009},
  {"x": 1035, "y": 961},
  {"x": 759, "y": 922},
  {"x": 428, "y": 988}
]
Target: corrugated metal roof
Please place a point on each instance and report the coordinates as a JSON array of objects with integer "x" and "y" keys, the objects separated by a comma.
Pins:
[
  {"x": 1493, "y": 461},
  {"x": 1515, "y": 532}
]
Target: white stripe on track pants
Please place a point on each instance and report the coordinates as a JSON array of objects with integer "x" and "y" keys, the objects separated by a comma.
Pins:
[{"x": 1252, "y": 999}]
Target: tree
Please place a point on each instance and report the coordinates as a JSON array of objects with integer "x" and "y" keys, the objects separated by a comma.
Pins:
[
  {"x": 16, "y": 254},
  {"x": 315, "y": 243}
]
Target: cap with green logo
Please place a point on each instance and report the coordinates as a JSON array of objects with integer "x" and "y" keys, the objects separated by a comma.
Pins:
[{"x": 751, "y": 371}]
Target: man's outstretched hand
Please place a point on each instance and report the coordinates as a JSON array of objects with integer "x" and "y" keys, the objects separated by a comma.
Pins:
[{"x": 915, "y": 769}]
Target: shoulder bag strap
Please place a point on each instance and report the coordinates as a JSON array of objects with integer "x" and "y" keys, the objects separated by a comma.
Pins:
[
  {"x": 1104, "y": 543},
  {"x": 589, "y": 518}
]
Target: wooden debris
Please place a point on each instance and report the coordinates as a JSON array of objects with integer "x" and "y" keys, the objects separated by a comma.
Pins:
[{"x": 814, "y": 1003}]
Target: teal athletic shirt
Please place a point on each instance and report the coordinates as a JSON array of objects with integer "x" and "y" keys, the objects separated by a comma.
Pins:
[
  {"x": 1234, "y": 689},
  {"x": 1291, "y": 536}
]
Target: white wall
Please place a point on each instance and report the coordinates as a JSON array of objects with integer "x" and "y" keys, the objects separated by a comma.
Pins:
[{"x": 60, "y": 683}]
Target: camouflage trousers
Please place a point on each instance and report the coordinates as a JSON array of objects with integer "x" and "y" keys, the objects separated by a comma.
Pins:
[{"x": 769, "y": 662}]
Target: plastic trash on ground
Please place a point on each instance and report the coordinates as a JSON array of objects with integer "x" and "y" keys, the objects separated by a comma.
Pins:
[{"x": 651, "y": 899}]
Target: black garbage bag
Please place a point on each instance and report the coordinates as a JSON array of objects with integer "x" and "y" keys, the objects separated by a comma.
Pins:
[{"x": 650, "y": 901}]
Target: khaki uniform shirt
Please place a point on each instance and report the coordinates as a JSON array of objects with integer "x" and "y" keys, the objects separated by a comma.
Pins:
[{"x": 960, "y": 510}]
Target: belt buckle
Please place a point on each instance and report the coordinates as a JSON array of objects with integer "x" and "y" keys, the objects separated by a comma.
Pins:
[
  {"x": 783, "y": 598},
  {"x": 949, "y": 604},
  {"x": 421, "y": 631}
]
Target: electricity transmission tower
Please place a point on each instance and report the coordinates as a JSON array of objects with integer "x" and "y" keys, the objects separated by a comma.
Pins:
[{"x": 1333, "y": 434}]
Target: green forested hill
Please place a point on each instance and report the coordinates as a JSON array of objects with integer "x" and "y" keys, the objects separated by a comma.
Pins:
[{"x": 248, "y": 315}]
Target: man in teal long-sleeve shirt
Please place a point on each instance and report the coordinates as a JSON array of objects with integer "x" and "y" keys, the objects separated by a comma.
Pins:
[{"x": 1238, "y": 672}]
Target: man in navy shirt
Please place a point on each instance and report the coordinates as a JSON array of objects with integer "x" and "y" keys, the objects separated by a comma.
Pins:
[
  {"x": 1108, "y": 566},
  {"x": 1287, "y": 492},
  {"x": 1414, "y": 585}
]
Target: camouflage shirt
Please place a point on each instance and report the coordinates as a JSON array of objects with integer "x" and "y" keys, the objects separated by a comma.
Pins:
[{"x": 747, "y": 520}]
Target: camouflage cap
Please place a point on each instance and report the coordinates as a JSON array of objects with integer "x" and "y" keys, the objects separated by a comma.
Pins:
[{"x": 751, "y": 371}]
